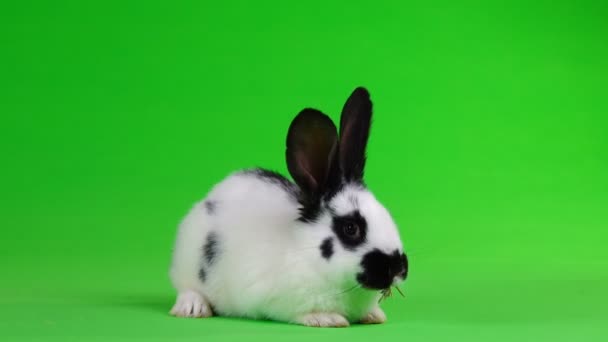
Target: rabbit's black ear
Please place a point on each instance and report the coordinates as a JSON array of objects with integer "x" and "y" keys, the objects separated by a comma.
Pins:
[
  {"x": 354, "y": 132},
  {"x": 312, "y": 145}
]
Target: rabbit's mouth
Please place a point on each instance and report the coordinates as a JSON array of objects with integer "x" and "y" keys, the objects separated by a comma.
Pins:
[{"x": 381, "y": 271}]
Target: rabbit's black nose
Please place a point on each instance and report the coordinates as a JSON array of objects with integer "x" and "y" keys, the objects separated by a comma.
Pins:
[
  {"x": 382, "y": 270},
  {"x": 398, "y": 269},
  {"x": 404, "y": 267}
]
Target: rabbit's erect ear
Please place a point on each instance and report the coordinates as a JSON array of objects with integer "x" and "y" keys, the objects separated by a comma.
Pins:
[
  {"x": 312, "y": 144},
  {"x": 354, "y": 132}
]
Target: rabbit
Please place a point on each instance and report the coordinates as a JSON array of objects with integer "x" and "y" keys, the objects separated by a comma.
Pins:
[{"x": 318, "y": 251}]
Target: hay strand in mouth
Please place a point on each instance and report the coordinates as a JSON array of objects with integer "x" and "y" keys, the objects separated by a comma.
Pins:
[
  {"x": 388, "y": 292},
  {"x": 400, "y": 292}
]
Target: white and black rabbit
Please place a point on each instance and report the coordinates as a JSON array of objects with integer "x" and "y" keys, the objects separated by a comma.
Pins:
[{"x": 317, "y": 252}]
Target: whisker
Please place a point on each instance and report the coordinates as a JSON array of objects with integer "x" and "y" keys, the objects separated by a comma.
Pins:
[{"x": 350, "y": 289}]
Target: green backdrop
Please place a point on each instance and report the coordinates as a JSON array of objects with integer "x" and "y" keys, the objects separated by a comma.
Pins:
[{"x": 490, "y": 147}]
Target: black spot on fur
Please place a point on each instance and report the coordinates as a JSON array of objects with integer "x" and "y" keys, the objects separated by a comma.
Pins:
[
  {"x": 210, "y": 206},
  {"x": 327, "y": 248},
  {"x": 309, "y": 212},
  {"x": 350, "y": 229},
  {"x": 310, "y": 208},
  {"x": 275, "y": 178},
  {"x": 202, "y": 274},
  {"x": 210, "y": 249},
  {"x": 379, "y": 269}
]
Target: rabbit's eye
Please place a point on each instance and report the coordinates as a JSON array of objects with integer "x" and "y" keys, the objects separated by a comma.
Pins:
[{"x": 351, "y": 229}]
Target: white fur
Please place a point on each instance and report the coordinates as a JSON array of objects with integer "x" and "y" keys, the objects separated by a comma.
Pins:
[{"x": 269, "y": 264}]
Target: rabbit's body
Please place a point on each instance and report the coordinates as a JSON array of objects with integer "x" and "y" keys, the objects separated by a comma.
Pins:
[
  {"x": 241, "y": 249},
  {"x": 317, "y": 252}
]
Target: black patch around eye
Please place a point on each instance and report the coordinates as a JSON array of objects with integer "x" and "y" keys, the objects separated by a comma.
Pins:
[
  {"x": 350, "y": 241},
  {"x": 202, "y": 274},
  {"x": 327, "y": 248},
  {"x": 210, "y": 249},
  {"x": 210, "y": 206}
]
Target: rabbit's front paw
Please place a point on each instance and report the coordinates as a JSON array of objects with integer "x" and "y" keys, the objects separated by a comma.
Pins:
[
  {"x": 191, "y": 304},
  {"x": 323, "y": 319},
  {"x": 376, "y": 316}
]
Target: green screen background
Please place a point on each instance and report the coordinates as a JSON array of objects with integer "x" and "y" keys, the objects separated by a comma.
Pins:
[{"x": 490, "y": 147}]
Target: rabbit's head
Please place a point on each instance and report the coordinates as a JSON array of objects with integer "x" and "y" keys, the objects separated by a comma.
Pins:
[{"x": 357, "y": 237}]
